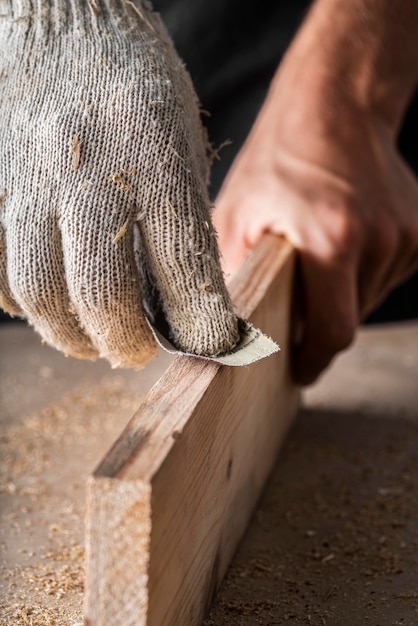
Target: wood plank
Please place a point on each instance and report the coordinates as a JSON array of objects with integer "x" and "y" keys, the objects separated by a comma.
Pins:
[{"x": 169, "y": 503}]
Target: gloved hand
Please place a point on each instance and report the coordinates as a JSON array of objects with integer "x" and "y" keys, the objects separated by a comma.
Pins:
[{"x": 103, "y": 179}]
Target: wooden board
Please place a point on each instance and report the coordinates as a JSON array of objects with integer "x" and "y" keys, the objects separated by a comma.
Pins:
[{"x": 169, "y": 503}]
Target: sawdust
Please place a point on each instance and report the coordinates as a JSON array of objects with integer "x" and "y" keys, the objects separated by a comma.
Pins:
[
  {"x": 55, "y": 574},
  {"x": 37, "y": 615},
  {"x": 334, "y": 541},
  {"x": 45, "y": 459},
  {"x": 346, "y": 485}
]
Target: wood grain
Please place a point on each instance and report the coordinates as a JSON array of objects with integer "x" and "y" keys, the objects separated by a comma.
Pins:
[{"x": 169, "y": 503}]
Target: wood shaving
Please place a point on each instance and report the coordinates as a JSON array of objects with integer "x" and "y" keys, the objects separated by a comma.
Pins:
[
  {"x": 206, "y": 287},
  {"x": 120, "y": 181},
  {"x": 130, "y": 172},
  {"x": 84, "y": 185},
  {"x": 75, "y": 149},
  {"x": 142, "y": 16},
  {"x": 93, "y": 7},
  {"x": 172, "y": 209},
  {"x": 117, "y": 178},
  {"x": 121, "y": 232},
  {"x": 5, "y": 304},
  {"x": 213, "y": 152}
]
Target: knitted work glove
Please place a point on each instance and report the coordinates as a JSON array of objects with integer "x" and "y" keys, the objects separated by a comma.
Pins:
[{"x": 104, "y": 206}]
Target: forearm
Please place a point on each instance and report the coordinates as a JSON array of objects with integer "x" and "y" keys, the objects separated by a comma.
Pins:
[{"x": 363, "y": 50}]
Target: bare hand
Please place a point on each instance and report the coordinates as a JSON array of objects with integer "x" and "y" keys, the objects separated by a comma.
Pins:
[{"x": 325, "y": 174}]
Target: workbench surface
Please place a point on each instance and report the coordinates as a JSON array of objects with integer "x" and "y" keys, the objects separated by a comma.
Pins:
[{"x": 334, "y": 540}]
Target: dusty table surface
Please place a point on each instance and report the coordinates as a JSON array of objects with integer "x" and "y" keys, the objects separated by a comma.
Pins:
[
  {"x": 59, "y": 416},
  {"x": 334, "y": 540}
]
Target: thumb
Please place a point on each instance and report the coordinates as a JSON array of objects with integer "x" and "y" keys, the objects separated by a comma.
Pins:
[{"x": 231, "y": 237}]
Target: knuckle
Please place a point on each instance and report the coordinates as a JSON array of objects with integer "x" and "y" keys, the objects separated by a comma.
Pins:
[
  {"x": 346, "y": 233},
  {"x": 352, "y": 229}
]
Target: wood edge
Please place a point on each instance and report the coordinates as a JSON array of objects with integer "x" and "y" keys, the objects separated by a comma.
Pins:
[
  {"x": 263, "y": 261},
  {"x": 152, "y": 412},
  {"x": 118, "y": 513},
  {"x": 286, "y": 396},
  {"x": 247, "y": 288}
]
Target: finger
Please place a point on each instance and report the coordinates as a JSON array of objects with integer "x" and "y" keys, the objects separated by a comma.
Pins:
[
  {"x": 37, "y": 279},
  {"x": 231, "y": 238},
  {"x": 7, "y": 301},
  {"x": 102, "y": 278},
  {"x": 329, "y": 304},
  {"x": 182, "y": 254}
]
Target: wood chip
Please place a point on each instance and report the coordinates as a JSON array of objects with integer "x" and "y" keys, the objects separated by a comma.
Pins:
[
  {"x": 93, "y": 7},
  {"x": 120, "y": 181},
  {"x": 172, "y": 209},
  {"x": 75, "y": 149},
  {"x": 121, "y": 232}
]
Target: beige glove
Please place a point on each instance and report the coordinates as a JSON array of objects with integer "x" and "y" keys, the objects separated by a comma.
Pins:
[{"x": 103, "y": 174}]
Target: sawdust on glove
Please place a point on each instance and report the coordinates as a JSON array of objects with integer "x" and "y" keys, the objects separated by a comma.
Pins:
[{"x": 103, "y": 180}]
